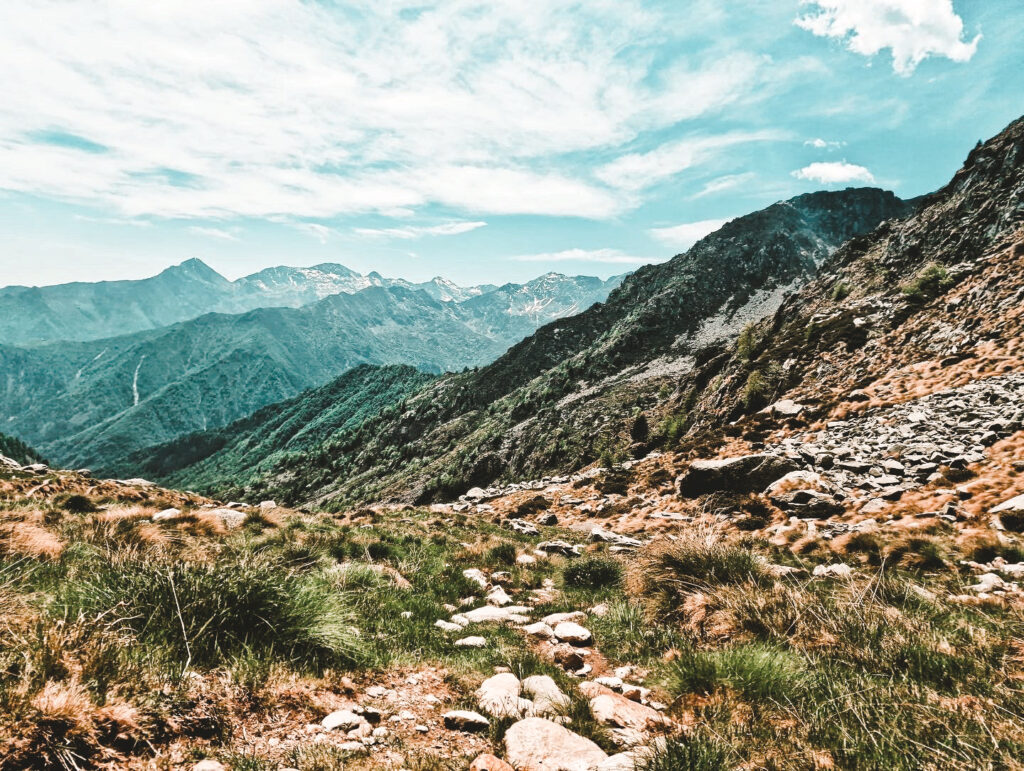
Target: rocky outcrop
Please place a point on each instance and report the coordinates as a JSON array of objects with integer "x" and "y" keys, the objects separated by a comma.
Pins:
[{"x": 745, "y": 474}]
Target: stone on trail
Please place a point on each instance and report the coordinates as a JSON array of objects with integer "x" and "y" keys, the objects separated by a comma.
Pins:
[
  {"x": 499, "y": 696},
  {"x": 342, "y": 719},
  {"x": 490, "y": 763},
  {"x": 471, "y": 642},
  {"x": 542, "y": 745},
  {"x": 547, "y": 697},
  {"x": 513, "y": 613},
  {"x": 465, "y": 720},
  {"x": 571, "y": 632}
]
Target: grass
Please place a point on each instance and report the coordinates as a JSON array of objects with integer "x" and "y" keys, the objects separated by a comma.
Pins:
[{"x": 592, "y": 572}]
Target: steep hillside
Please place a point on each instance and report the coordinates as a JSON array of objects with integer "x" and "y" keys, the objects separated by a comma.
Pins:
[
  {"x": 251, "y": 447},
  {"x": 18, "y": 451},
  {"x": 90, "y": 403},
  {"x": 93, "y": 311},
  {"x": 534, "y": 408}
]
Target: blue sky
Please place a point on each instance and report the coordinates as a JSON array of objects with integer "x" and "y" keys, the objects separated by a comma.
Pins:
[{"x": 483, "y": 141}]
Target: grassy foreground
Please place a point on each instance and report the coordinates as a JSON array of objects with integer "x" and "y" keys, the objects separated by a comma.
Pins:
[{"x": 126, "y": 643}]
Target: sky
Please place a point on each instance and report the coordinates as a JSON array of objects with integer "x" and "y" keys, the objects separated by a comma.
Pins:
[{"x": 482, "y": 141}]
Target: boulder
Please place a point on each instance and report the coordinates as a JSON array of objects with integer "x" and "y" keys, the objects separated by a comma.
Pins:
[
  {"x": 573, "y": 633},
  {"x": 231, "y": 518},
  {"x": 166, "y": 514},
  {"x": 511, "y": 613},
  {"x": 538, "y": 744},
  {"x": 498, "y": 597},
  {"x": 547, "y": 697},
  {"x": 540, "y": 630},
  {"x": 745, "y": 474},
  {"x": 617, "y": 711},
  {"x": 499, "y": 696},
  {"x": 342, "y": 719},
  {"x": 471, "y": 642}
]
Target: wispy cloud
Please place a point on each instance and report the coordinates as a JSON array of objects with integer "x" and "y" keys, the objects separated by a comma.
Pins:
[
  {"x": 275, "y": 108},
  {"x": 723, "y": 184},
  {"x": 912, "y": 29},
  {"x": 834, "y": 173},
  {"x": 687, "y": 234},
  {"x": 419, "y": 231},
  {"x": 637, "y": 171},
  {"x": 823, "y": 144},
  {"x": 320, "y": 232},
  {"x": 223, "y": 235},
  {"x": 586, "y": 255}
]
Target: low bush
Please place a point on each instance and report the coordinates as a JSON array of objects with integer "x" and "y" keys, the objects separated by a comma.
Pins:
[
  {"x": 930, "y": 282},
  {"x": 757, "y": 672},
  {"x": 593, "y": 572}
]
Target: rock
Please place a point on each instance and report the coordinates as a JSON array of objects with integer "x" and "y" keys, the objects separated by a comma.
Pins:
[
  {"x": 476, "y": 494},
  {"x": 547, "y": 520},
  {"x": 209, "y": 765},
  {"x": 567, "y": 658},
  {"x": 560, "y": 547},
  {"x": 499, "y": 696},
  {"x": 744, "y": 474},
  {"x": 166, "y": 514},
  {"x": 231, "y": 518},
  {"x": 268, "y": 505},
  {"x": 511, "y": 613},
  {"x": 557, "y": 618},
  {"x": 547, "y": 697},
  {"x": 540, "y": 630},
  {"x": 471, "y": 642},
  {"x": 606, "y": 536},
  {"x": 447, "y": 626},
  {"x": 476, "y": 576},
  {"x": 523, "y": 527},
  {"x": 838, "y": 570},
  {"x": 542, "y": 745},
  {"x": 614, "y": 683},
  {"x": 614, "y": 710},
  {"x": 489, "y": 763},
  {"x": 420, "y": 728},
  {"x": 342, "y": 719},
  {"x": 1014, "y": 505},
  {"x": 498, "y": 597},
  {"x": 573, "y": 633},
  {"x": 526, "y": 559},
  {"x": 988, "y": 582},
  {"x": 784, "y": 408},
  {"x": 465, "y": 720}
]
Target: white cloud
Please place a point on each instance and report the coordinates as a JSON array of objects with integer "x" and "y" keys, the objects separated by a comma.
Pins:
[
  {"x": 834, "y": 173},
  {"x": 637, "y": 171},
  {"x": 823, "y": 144},
  {"x": 686, "y": 235},
  {"x": 912, "y": 29},
  {"x": 320, "y": 232},
  {"x": 418, "y": 231},
  {"x": 281, "y": 108},
  {"x": 224, "y": 235},
  {"x": 585, "y": 255}
]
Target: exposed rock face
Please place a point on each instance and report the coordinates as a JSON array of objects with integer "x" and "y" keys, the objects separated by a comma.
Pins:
[
  {"x": 745, "y": 474},
  {"x": 536, "y": 744}
]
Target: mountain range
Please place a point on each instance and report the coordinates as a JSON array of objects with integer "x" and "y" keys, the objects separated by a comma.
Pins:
[
  {"x": 93, "y": 311},
  {"x": 88, "y": 403}
]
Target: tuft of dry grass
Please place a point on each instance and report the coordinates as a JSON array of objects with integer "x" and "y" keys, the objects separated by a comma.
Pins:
[{"x": 26, "y": 539}]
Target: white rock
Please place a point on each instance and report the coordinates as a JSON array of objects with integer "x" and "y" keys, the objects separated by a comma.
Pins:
[
  {"x": 498, "y": 597},
  {"x": 471, "y": 642},
  {"x": 526, "y": 559},
  {"x": 160, "y": 516},
  {"x": 465, "y": 720},
  {"x": 342, "y": 719},
  {"x": 571, "y": 632},
  {"x": 557, "y": 618},
  {"x": 515, "y": 614},
  {"x": 476, "y": 576},
  {"x": 268, "y": 505},
  {"x": 231, "y": 518},
  {"x": 209, "y": 765},
  {"x": 536, "y": 743},
  {"x": 548, "y": 698},
  {"x": 540, "y": 630},
  {"x": 499, "y": 696},
  {"x": 1014, "y": 504},
  {"x": 615, "y": 683},
  {"x": 838, "y": 569},
  {"x": 447, "y": 626}
]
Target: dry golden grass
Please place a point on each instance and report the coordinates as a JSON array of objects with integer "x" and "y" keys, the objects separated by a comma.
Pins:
[{"x": 26, "y": 539}]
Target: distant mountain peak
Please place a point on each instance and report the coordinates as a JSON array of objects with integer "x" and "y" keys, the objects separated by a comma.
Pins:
[{"x": 194, "y": 268}]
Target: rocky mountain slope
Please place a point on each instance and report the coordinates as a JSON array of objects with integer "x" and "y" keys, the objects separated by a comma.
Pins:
[
  {"x": 93, "y": 311},
  {"x": 534, "y": 408}
]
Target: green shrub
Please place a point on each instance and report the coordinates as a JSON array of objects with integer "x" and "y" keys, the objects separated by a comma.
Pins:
[
  {"x": 841, "y": 291},
  {"x": 758, "y": 672},
  {"x": 79, "y": 504},
  {"x": 930, "y": 282},
  {"x": 209, "y": 614},
  {"x": 502, "y": 554},
  {"x": 592, "y": 573},
  {"x": 695, "y": 753},
  {"x": 761, "y": 385}
]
